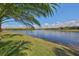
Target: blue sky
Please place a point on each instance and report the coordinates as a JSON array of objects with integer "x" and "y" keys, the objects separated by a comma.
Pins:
[{"x": 66, "y": 12}]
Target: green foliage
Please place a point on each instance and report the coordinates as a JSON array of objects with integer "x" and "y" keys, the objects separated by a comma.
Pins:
[
  {"x": 26, "y": 13},
  {"x": 12, "y": 47},
  {"x": 23, "y": 45}
]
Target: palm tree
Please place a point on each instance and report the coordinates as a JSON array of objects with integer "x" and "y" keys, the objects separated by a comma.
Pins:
[{"x": 25, "y": 13}]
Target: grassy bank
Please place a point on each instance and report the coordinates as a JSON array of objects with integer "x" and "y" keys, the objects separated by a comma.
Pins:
[
  {"x": 17, "y": 44},
  {"x": 54, "y": 29},
  {"x": 71, "y": 30},
  {"x": 67, "y": 30}
]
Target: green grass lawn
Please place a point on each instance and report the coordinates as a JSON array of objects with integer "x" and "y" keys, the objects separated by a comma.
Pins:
[{"x": 23, "y": 45}]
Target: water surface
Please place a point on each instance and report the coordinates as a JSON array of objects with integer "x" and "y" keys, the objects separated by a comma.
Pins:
[{"x": 67, "y": 38}]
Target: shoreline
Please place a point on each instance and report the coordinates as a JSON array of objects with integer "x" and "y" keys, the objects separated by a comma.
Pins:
[
  {"x": 62, "y": 30},
  {"x": 70, "y": 30},
  {"x": 39, "y": 46}
]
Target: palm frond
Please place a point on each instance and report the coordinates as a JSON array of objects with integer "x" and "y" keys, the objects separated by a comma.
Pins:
[{"x": 28, "y": 12}]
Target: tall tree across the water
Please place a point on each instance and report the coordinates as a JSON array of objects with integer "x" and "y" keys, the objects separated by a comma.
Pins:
[{"x": 25, "y": 13}]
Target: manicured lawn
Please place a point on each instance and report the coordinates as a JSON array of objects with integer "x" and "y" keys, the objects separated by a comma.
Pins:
[{"x": 21, "y": 45}]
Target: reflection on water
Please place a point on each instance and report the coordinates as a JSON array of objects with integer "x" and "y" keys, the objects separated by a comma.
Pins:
[{"x": 67, "y": 38}]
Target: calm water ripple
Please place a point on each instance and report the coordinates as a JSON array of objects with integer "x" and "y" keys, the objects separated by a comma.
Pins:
[{"x": 67, "y": 38}]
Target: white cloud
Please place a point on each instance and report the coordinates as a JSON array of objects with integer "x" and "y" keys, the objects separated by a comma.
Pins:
[
  {"x": 71, "y": 23},
  {"x": 46, "y": 24},
  {"x": 12, "y": 26}
]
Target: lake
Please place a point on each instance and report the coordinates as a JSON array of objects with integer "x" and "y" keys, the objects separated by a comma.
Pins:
[{"x": 66, "y": 38}]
